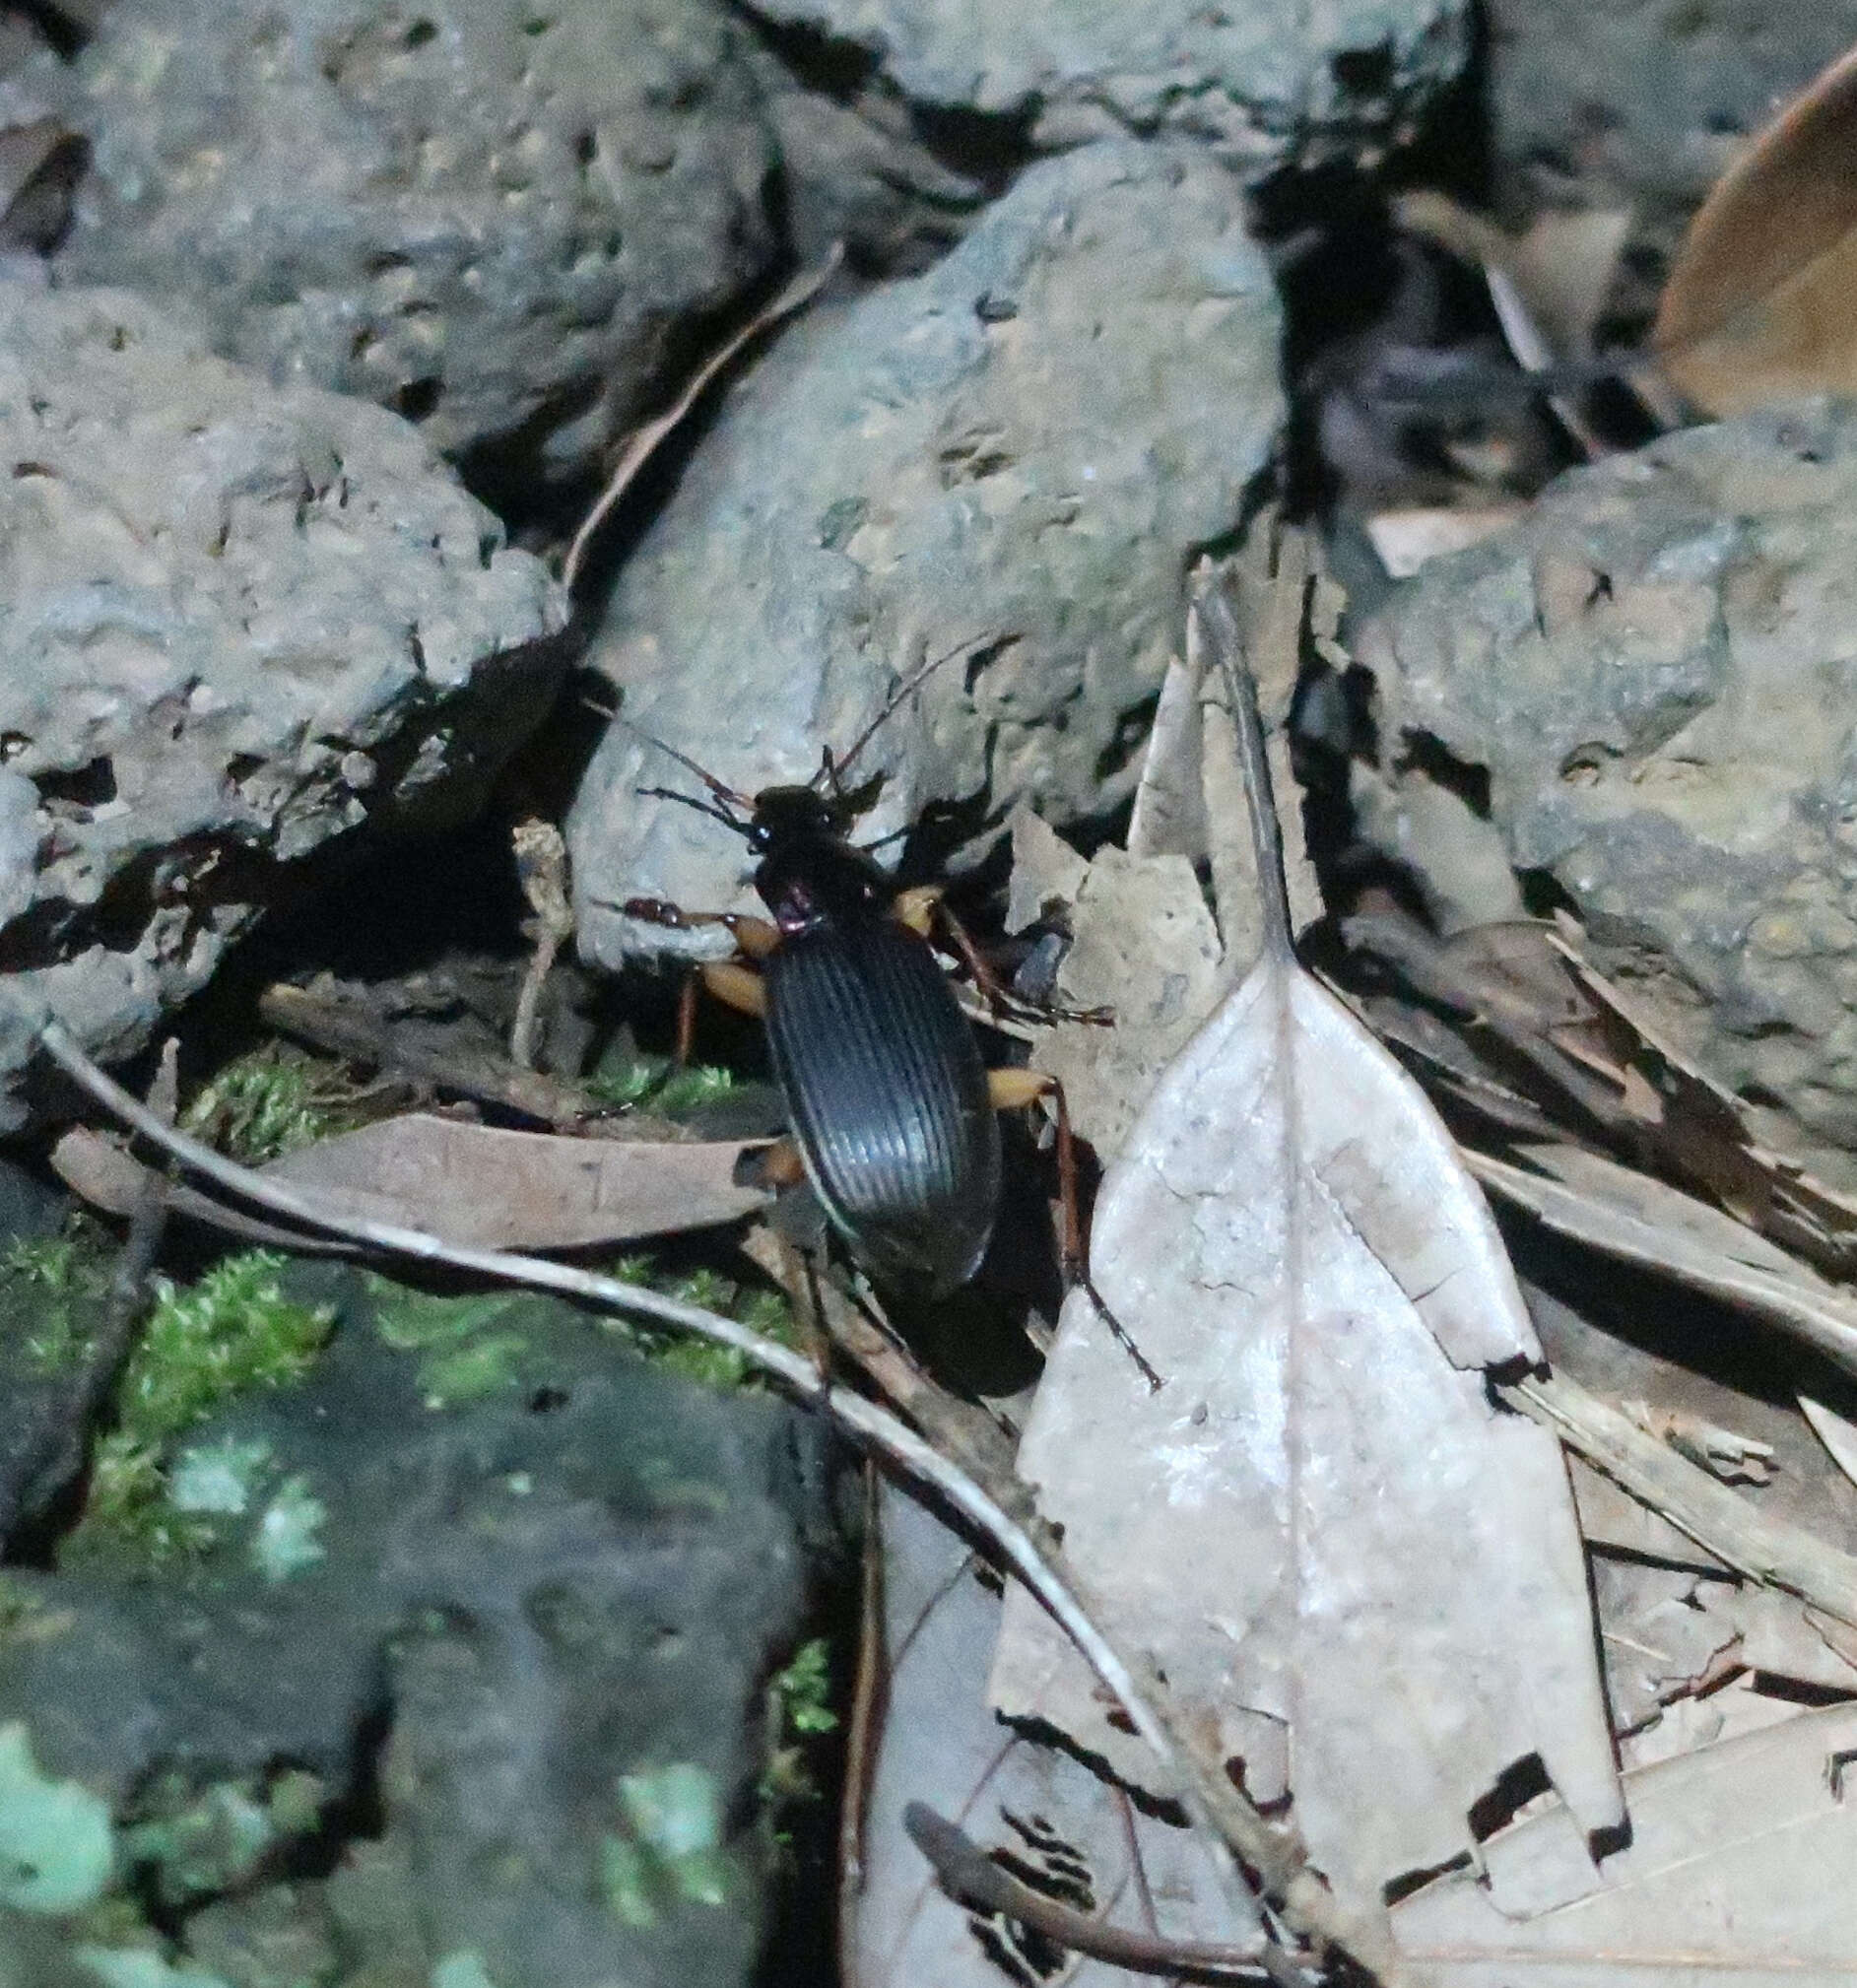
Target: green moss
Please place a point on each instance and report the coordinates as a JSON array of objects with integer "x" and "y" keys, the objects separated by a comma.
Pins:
[
  {"x": 52, "y": 1289},
  {"x": 232, "y": 1331},
  {"x": 469, "y": 1345},
  {"x": 798, "y": 1712},
  {"x": 265, "y": 1103},
  {"x": 656, "y": 1081},
  {"x": 802, "y": 1689},
  {"x": 197, "y": 1841},
  {"x": 767, "y": 1312},
  {"x": 202, "y": 1347}
]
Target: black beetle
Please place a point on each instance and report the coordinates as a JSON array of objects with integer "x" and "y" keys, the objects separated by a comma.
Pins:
[
  {"x": 892, "y": 1110},
  {"x": 891, "y": 1107}
]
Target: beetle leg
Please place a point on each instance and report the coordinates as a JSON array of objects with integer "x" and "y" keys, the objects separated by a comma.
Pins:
[
  {"x": 735, "y": 985},
  {"x": 993, "y": 990},
  {"x": 917, "y": 908},
  {"x": 757, "y": 937},
  {"x": 1010, "y": 1090}
]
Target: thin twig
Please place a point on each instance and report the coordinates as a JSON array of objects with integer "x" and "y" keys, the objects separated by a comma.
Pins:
[
  {"x": 968, "y": 1874},
  {"x": 640, "y": 445},
  {"x": 1304, "y": 1903}
]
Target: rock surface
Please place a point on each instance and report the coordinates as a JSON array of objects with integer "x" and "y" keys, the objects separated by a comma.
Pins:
[
  {"x": 1262, "y": 81},
  {"x": 492, "y": 217},
  {"x": 1658, "y": 669},
  {"x": 237, "y": 621},
  {"x": 1643, "y": 105},
  {"x": 1021, "y": 451},
  {"x": 487, "y": 1598}
]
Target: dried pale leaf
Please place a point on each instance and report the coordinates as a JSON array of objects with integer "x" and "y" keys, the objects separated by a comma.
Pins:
[
  {"x": 1168, "y": 818},
  {"x": 1837, "y": 1433},
  {"x": 1613, "y": 1520},
  {"x": 1046, "y": 871},
  {"x": 1757, "y": 305},
  {"x": 938, "y": 1743},
  {"x": 1406, "y": 540},
  {"x": 486, "y": 1187},
  {"x": 1321, "y": 1497},
  {"x": 1143, "y": 945},
  {"x": 1636, "y": 1219},
  {"x": 1279, "y": 597},
  {"x": 1686, "y": 1724},
  {"x": 1737, "y": 1871},
  {"x": 1658, "y": 1637}
]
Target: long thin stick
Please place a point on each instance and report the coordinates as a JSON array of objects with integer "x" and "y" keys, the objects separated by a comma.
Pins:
[
  {"x": 641, "y": 444},
  {"x": 1305, "y": 1904}
]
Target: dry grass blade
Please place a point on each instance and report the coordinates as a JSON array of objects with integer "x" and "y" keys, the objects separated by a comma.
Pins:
[
  {"x": 1725, "y": 1524},
  {"x": 1639, "y": 1220},
  {"x": 1758, "y": 306},
  {"x": 643, "y": 443},
  {"x": 1319, "y": 1499}
]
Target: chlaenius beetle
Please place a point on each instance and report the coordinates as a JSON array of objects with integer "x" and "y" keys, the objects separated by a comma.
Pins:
[{"x": 892, "y": 1110}]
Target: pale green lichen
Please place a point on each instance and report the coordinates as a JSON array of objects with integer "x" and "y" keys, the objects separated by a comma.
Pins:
[
  {"x": 463, "y": 1969},
  {"x": 671, "y": 1849},
  {"x": 218, "y": 1477},
  {"x": 57, "y": 1851},
  {"x": 285, "y": 1541},
  {"x": 142, "y": 1968}
]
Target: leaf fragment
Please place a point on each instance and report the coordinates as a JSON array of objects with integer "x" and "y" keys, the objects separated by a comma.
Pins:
[
  {"x": 1757, "y": 305},
  {"x": 1355, "y": 1573}
]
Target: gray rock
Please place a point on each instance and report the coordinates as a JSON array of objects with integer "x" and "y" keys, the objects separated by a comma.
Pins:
[
  {"x": 1021, "y": 450},
  {"x": 855, "y": 170},
  {"x": 1643, "y": 105},
  {"x": 493, "y": 216},
  {"x": 1262, "y": 81},
  {"x": 235, "y": 622},
  {"x": 484, "y": 1562},
  {"x": 1658, "y": 670}
]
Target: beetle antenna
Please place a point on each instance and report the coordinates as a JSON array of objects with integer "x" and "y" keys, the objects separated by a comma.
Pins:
[
  {"x": 907, "y": 688},
  {"x": 724, "y": 793},
  {"x": 709, "y": 808}
]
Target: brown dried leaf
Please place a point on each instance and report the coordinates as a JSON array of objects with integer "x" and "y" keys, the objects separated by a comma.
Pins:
[
  {"x": 1757, "y": 305},
  {"x": 489, "y": 1188},
  {"x": 1321, "y": 1497},
  {"x": 1738, "y": 1869},
  {"x": 1071, "y": 1833}
]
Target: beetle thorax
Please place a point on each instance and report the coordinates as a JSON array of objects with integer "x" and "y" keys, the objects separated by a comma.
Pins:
[{"x": 808, "y": 880}]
